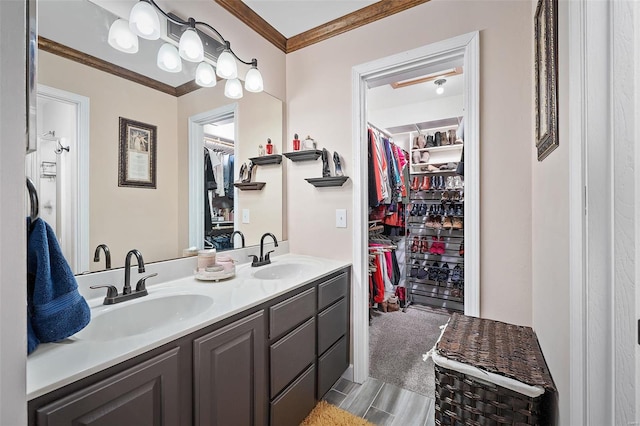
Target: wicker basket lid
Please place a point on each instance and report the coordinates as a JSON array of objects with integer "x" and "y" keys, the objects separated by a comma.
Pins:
[{"x": 506, "y": 349}]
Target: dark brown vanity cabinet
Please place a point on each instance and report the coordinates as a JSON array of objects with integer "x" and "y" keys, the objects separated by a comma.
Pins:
[
  {"x": 267, "y": 365},
  {"x": 146, "y": 394},
  {"x": 230, "y": 374}
]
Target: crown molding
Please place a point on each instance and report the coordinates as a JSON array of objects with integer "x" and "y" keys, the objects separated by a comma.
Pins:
[
  {"x": 254, "y": 21},
  {"x": 67, "y": 52},
  {"x": 353, "y": 20}
]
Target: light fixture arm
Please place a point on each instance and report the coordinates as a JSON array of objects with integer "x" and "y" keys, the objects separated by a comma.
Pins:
[{"x": 192, "y": 23}]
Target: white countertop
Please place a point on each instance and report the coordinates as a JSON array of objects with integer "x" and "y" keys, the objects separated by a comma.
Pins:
[{"x": 54, "y": 365}]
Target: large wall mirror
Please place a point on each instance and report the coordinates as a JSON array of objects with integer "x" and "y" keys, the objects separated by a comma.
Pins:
[{"x": 79, "y": 108}]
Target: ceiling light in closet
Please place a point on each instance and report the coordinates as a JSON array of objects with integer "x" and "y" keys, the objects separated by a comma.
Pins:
[
  {"x": 144, "y": 22},
  {"x": 440, "y": 83}
]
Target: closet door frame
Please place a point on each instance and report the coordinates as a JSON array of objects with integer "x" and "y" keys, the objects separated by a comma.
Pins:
[{"x": 466, "y": 46}]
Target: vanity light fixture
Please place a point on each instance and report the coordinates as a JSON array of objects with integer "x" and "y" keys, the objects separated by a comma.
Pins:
[
  {"x": 233, "y": 89},
  {"x": 121, "y": 37},
  {"x": 144, "y": 22},
  {"x": 440, "y": 83},
  {"x": 169, "y": 59}
]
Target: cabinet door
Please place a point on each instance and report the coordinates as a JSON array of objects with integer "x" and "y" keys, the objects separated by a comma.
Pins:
[
  {"x": 230, "y": 375},
  {"x": 147, "y": 394}
]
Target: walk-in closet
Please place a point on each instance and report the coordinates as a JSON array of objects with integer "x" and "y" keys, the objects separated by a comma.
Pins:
[
  {"x": 416, "y": 221},
  {"x": 218, "y": 183}
]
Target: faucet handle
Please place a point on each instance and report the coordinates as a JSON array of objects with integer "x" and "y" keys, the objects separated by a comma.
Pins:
[
  {"x": 140, "y": 286},
  {"x": 255, "y": 259},
  {"x": 111, "y": 290},
  {"x": 266, "y": 256}
]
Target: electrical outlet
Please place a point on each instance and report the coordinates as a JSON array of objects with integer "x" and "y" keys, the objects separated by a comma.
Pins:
[
  {"x": 341, "y": 218},
  {"x": 245, "y": 215}
]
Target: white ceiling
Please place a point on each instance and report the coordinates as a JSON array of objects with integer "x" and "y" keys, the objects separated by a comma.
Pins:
[{"x": 292, "y": 17}]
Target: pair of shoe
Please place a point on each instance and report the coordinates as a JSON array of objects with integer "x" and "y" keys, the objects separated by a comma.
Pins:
[
  {"x": 434, "y": 222},
  {"x": 326, "y": 169},
  {"x": 246, "y": 172},
  {"x": 419, "y": 142},
  {"x": 457, "y": 275},
  {"x": 447, "y": 223},
  {"x": 451, "y": 196},
  {"x": 437, "y": 246},
  {"x": 457, "y": 223}
]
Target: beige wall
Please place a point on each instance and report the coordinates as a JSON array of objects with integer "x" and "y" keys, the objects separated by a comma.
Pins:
[
  {"x": 259, "y": 118},
  {"x": 319, "y": 104},
  {"x": 550, "y": 238},
  {"x": 119, "y": 216}
]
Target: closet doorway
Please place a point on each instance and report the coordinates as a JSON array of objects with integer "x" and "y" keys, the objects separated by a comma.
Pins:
[
  {"x": 405, "y": 66},
  {"x": 212, "y": 197}
]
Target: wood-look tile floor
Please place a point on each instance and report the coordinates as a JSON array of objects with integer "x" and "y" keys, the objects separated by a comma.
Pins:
[{"x": 382, "y": 403}]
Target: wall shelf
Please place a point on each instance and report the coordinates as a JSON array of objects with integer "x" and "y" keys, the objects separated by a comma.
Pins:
[
  {"x": 327, "y": 181},
  {"x": 250, "y": 186},
  {"x": 304, "y": 155},
  {"x": 267, "y": 159}
]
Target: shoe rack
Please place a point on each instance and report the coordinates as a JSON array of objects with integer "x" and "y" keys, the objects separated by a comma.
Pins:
[
  {"x": 436, "y": 149},
  {"x": 435, "y": 241}
]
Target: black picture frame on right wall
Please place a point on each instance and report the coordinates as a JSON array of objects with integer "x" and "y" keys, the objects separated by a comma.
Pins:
[{"x": 546, "y": 75}]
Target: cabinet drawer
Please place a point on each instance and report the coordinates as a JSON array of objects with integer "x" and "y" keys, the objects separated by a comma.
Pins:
[
  {"x": 331, "y": 365},
  {"x": 332, "y": 324},
  {"x": 296, "y": 402},
  {"x": 292, "y": 354},
  {"x": 332, "y": 290},
  {"x": 147, "y": 394},
  {"x": 291, "y": 312}
]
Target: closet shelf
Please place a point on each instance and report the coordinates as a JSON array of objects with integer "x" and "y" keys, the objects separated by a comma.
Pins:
[
  {"x": 267, "y": 159},
  {"x": 327, "y": 181},
  {"x": 436, "y": 173},
  {"x": 250, "y": 186},
  {"x": 442, "y": 148},
  {"x": 304, "y": 155}
]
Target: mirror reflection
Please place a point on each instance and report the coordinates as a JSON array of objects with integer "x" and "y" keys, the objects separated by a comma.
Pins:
[{"x": 77, "y": 163}]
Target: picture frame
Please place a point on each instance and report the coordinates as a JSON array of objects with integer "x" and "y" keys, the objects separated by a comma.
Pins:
[
  {"x": 546, "y": 77},
  {"x": 137, "y": 154}
]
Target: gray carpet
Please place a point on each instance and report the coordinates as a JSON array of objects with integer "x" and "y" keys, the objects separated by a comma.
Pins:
[{"x": 397, "y": 341}]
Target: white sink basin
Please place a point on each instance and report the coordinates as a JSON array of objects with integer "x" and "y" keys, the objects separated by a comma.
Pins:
[
  {"x": 283, "y": 271},
  {"x": 141, "y": 316}
]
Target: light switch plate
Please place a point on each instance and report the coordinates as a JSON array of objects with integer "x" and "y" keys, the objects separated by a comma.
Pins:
[
  {"x": 245, "y": 215},
  {"x": 341, "y": 218}
]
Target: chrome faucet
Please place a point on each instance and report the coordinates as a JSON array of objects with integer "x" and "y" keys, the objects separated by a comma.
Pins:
[
  {"x": 141, "y": 290},
  {"x": 264, "y": 260},
  {"x": 233, "y": 235},
  {"x": 107, "y": 255}
]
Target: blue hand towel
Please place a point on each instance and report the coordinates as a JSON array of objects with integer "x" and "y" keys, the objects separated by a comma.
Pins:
[{"x": 56, "y": 307}]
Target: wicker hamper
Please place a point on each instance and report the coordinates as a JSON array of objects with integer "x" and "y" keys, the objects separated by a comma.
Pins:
[{"x": 490, "y": 373}]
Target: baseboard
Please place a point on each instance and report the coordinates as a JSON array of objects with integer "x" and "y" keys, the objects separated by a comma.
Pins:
[{"x": 348, "y": 373}]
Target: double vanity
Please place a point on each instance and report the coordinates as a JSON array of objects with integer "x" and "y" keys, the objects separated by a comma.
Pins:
[{"x": 258, "y": 349}]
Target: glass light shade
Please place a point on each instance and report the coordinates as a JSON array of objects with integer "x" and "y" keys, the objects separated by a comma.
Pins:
[
  {"x": 253, "y": 81},
  {"x": 226, "y": 66},
  {"x": 440, "y": 90},
  {"x": 144, "y": 22},
  {"x": 233, "y": 89},
  {"x": 191, "y": 48},
  {"x": 205, "y": 75},
  {"x": 168, "y": 58},
  {"x": 121, "y": 38}
]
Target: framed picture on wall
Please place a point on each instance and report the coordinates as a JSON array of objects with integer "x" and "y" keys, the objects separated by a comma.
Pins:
[
  {"x": 546, "y": 75},
  {"x": 137, "y": 154}
]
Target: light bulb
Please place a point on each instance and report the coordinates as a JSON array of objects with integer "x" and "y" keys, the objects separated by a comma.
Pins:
[
  {"x": 440, "y": 90},
  {"x": 226, "y": 66},
  {"x": 205, "y": 75},
  {"x": 253, "y": 81},
  {"x": 191, "y": 48},
  {"x": 233, "y": 89},
  {"x": 168, "y": 58},
  {"x": 121, "y": 38},
  {"x": 144, "y": 22}
]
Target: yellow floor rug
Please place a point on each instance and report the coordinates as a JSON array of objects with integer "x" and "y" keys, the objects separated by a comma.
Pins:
[{"x": 325, "y": 414}]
